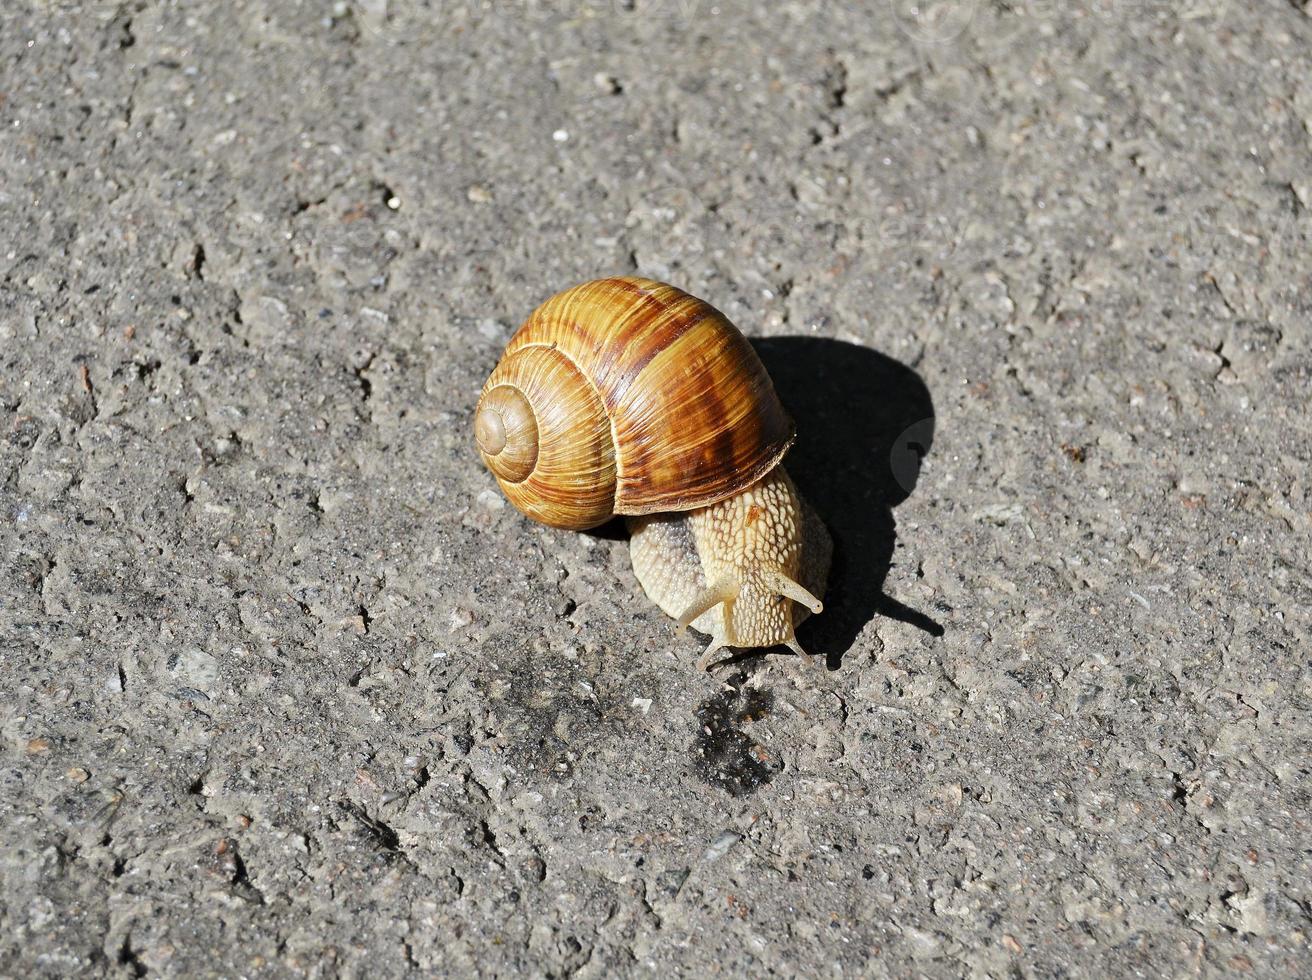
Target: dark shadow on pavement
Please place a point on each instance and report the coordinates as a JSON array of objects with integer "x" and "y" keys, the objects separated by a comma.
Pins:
[{"x": 864, "y": 423}]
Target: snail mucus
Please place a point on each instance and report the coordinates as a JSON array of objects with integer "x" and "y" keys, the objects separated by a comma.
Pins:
[{"x": 628, "y": 396}]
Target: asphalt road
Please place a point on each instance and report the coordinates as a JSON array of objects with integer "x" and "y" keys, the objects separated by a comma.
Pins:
[{"x": 289, "y": 690}]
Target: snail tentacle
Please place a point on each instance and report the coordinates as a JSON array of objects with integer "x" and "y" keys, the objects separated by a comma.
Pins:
[
  {"x": 741, "y": 570},
  {"x": 706, "y": 601},
  {"x": 791, "y": 589},
  {"x": 715, "y": 646},
  {"x": 802, "y": 654}
]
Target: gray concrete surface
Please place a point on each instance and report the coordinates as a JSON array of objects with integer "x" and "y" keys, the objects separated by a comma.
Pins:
[{"x": 288, "y": 691}]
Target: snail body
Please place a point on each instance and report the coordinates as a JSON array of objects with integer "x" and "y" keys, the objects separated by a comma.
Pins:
[{"x": 626, "y": 396}]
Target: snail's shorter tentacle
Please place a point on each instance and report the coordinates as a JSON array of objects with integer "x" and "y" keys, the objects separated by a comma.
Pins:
[
  {"x": 802, "y": 655},
  {"x": 715, "y": 646}
]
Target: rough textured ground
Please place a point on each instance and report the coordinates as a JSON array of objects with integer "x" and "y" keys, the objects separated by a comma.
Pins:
[{"x": 289, "y": 691}]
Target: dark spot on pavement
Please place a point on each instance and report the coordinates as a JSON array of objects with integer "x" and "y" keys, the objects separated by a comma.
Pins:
[{"x": 724, "y": 755}]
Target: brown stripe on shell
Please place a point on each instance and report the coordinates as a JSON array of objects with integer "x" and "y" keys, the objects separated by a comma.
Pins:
[
  {"x": 665, "y": 329},
  {"x": 700, "y": 424}
]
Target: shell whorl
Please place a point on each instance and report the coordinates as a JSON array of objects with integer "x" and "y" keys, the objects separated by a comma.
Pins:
[
  {"x": 506, "y": 430},
  {"x": 557, "y": 463},
  {"x": 627, "y": 396}
]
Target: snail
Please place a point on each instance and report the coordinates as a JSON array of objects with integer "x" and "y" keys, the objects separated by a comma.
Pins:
[{"x": 626, "y": 396}]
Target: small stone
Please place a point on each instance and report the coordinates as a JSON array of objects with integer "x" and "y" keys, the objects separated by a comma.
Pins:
[
  {"x": 226, "y": 863},
  {"x": 533, "y": 868},
  {"x": 77, "y": 775},
  {"x": 491, "y": 500},
  {"x": 560, "y": 135},
  {"x": 197, "y": 669},
  {"x": 38, "y": 746},
  {"x": 671, "y": 882},
  {"x": 720, "y": 846},
  {"x": 1000, "y": 514},
  {"x": 924, "y": 945},
  {"x": 493, "y": 329},
  {"x": 479, "y": 194}
]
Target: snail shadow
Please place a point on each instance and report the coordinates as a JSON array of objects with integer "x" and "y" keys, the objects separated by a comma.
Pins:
[{"x": 864, "y": 423}]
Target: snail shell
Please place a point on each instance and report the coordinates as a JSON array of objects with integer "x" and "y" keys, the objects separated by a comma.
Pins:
[{"x": 627, "y": 396}]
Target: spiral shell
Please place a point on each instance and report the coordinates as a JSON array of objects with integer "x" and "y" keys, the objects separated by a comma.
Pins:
[{"x": 627, "y": 396}]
